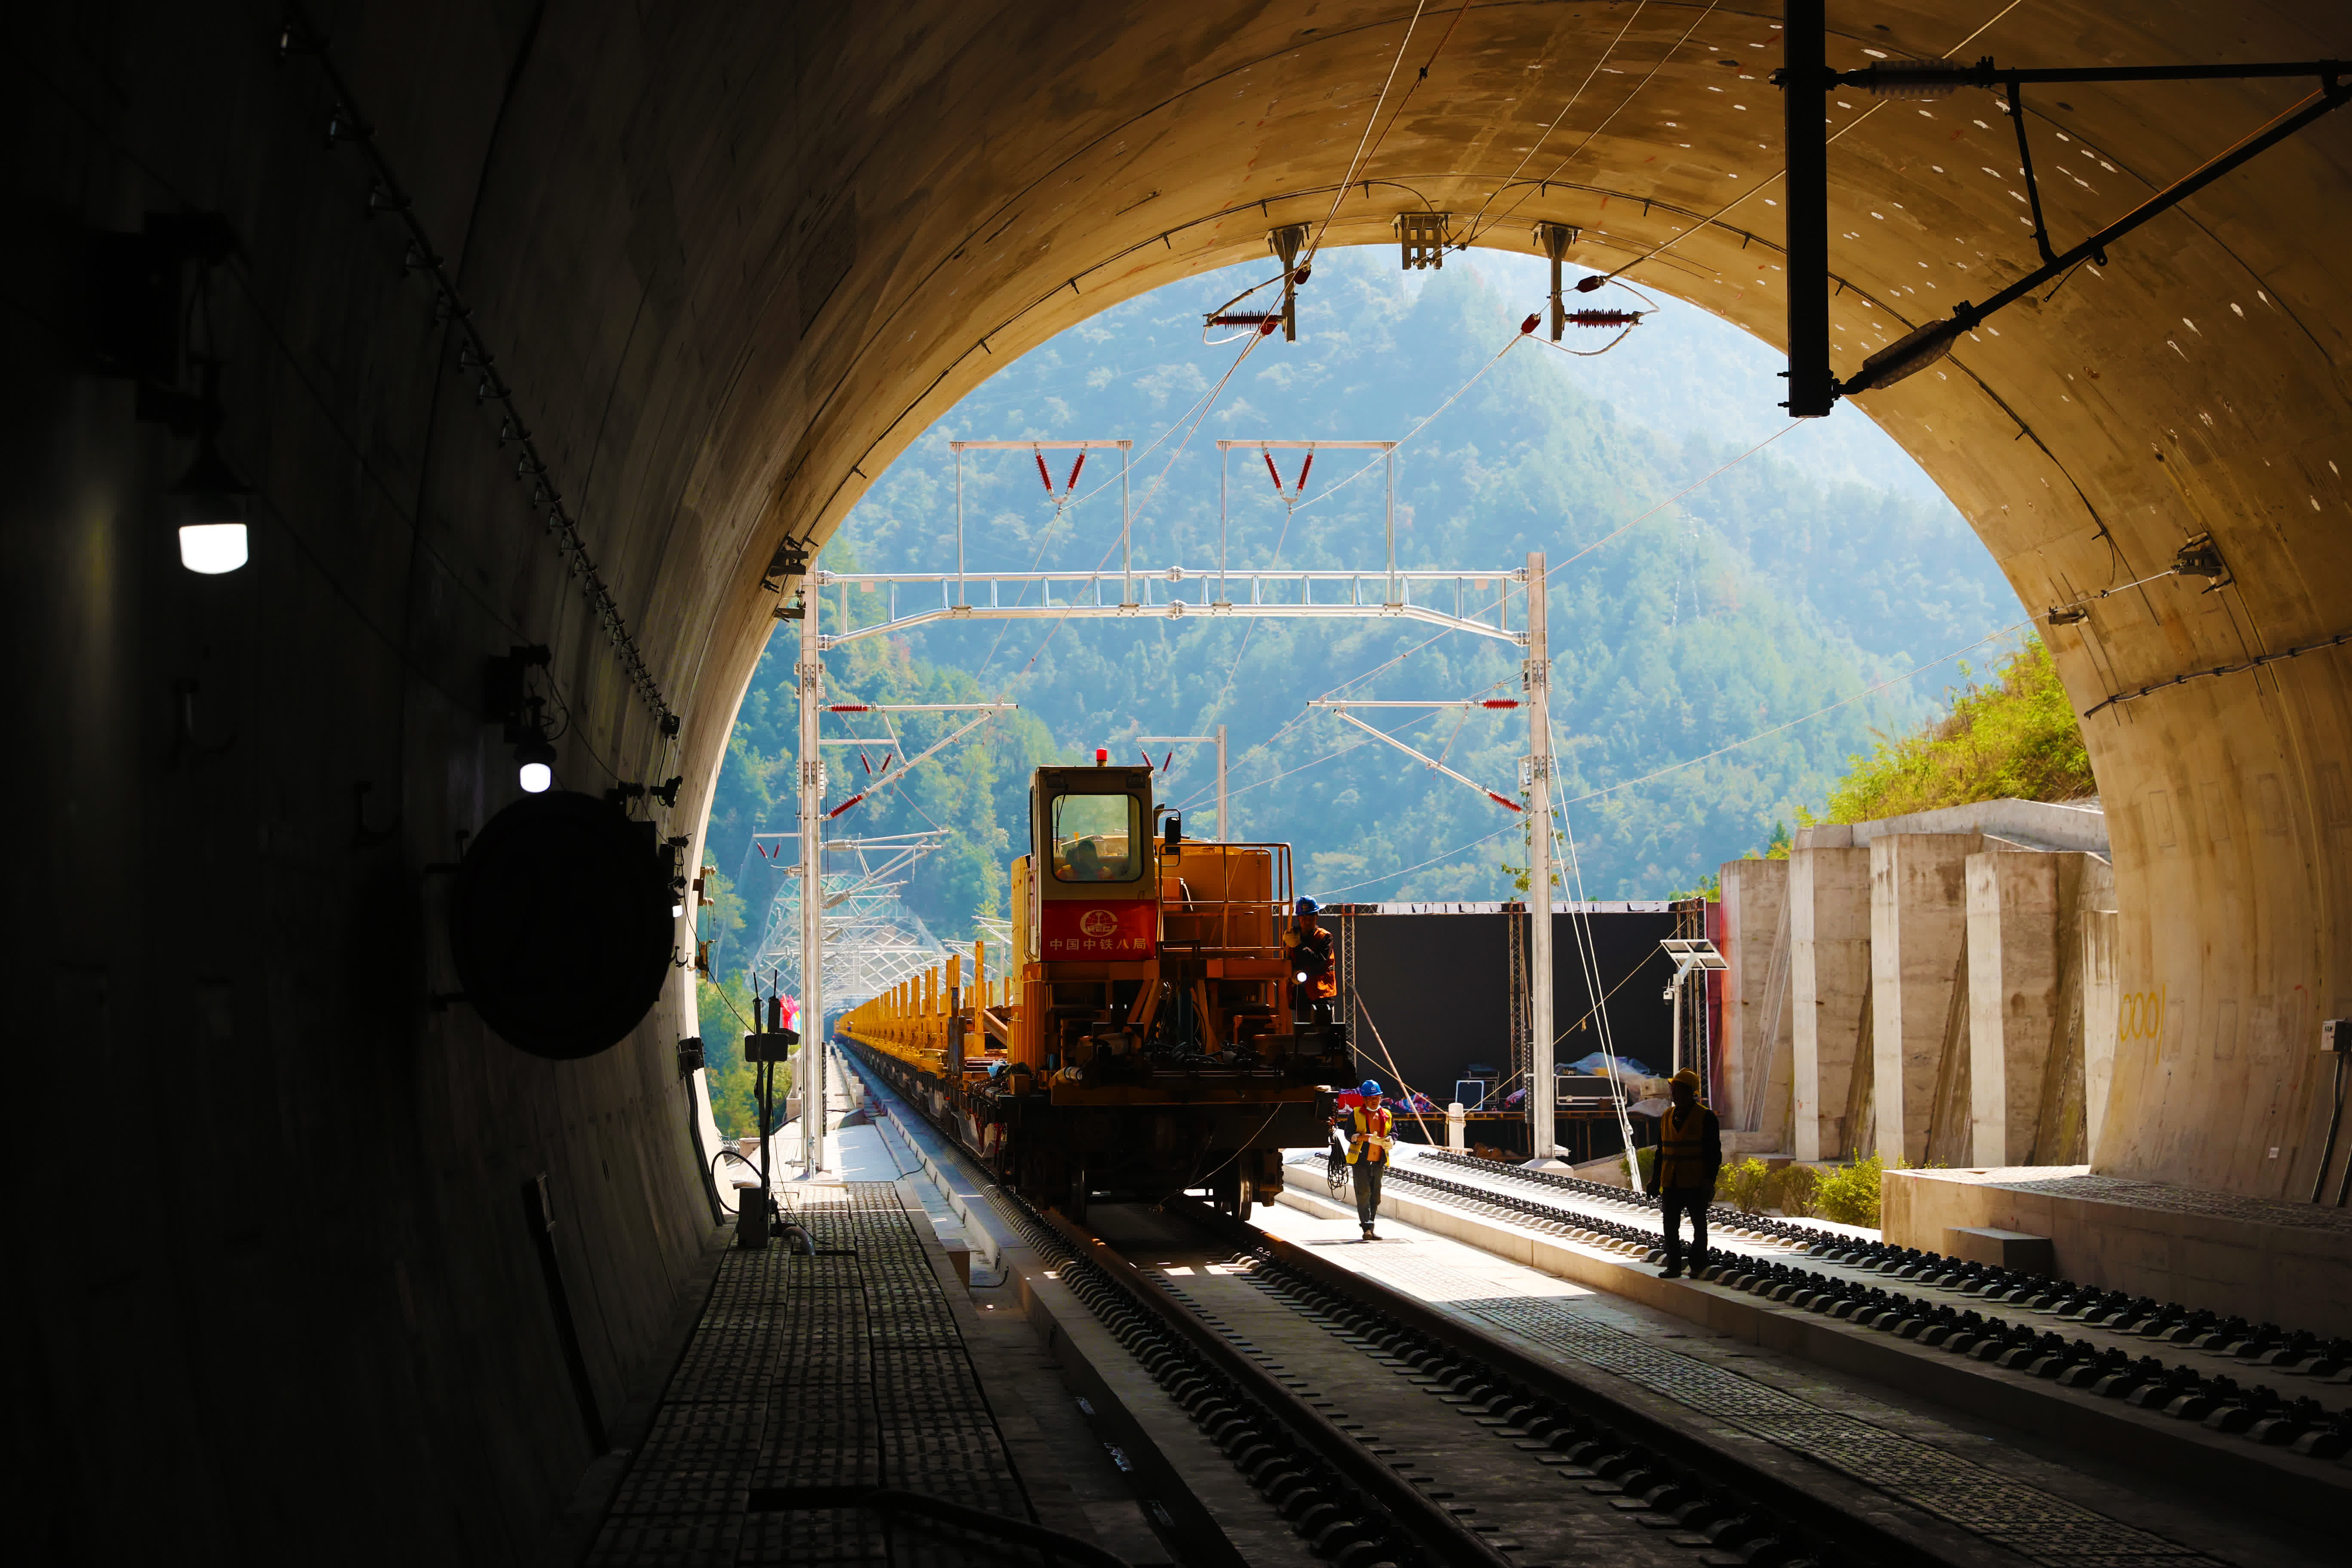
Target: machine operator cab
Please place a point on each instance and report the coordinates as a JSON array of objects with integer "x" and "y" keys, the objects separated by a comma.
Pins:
[{"x": 1096, "y": 887}]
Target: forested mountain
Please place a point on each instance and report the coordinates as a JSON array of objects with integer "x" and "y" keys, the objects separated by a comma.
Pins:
[{"x": 1769, "y": 591}]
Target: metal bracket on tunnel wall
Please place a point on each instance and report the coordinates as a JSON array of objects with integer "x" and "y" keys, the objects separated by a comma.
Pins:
[{"x": 1805, "y": 79}]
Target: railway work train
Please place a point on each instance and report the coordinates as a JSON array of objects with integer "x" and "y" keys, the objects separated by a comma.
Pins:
[{"x": 1148, "y": 1036}]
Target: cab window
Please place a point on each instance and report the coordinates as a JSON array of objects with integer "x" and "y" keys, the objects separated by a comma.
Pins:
[{"x": 1096, "y": 838}]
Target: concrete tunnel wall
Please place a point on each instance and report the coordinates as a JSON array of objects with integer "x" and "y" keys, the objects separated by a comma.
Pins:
[{"x": 736, "y": 259}]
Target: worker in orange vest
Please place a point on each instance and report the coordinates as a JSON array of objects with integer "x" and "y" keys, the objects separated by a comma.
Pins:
[
  {"x": 1307, "y": 950},
  {"x": 1690, "y": 1153},
  {"x": 1372, "y": 1132}
]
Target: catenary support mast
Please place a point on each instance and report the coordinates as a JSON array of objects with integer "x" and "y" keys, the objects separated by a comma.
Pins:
[
  {"x": 810, "y": 671},
  {"x": 1542, "y": 1094}
]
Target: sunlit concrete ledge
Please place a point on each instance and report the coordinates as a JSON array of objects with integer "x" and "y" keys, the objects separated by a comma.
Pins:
[
  {"x": 2257, "y": 1258},
  {"x": 2308, "y": 1490}
]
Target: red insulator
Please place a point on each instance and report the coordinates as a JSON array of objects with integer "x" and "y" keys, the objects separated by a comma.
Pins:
[
  {"x": 1266, "y": 328},
  {"x": 849, "y": 708},
  {"x": 1042, "y": 474},
  {"x": 1528, "y": 325},
  {"x": 1271, "y": 472},
  {"x": 1500, "y": 702},
  {"x": 1073, "y": 469},
  {"x": 1605, "y": 317},
  {"x": 1306, "y": 469},
  {"x": 1507, "y": 804},
  {"x": 1587, "y": 285},
  {"x": 845, "y": 806}
]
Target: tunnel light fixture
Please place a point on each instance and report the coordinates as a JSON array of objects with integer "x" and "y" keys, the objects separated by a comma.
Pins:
[
  {"x": 212, "y": 548},
  {"x": 535, "y": 764},
  {"x": 209, "y": 501}
]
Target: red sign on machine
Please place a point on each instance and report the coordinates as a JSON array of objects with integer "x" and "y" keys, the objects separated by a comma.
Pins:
[{"x": 1127, "y": 929}]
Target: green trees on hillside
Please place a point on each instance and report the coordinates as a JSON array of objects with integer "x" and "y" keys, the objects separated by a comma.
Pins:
[
  {"x": 2015, "y": 737},
  {"x": 1760, "y": 597}
]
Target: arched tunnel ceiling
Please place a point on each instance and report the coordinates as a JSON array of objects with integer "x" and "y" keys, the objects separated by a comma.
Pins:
[
  {"x": 733, "y": 258},
  {"x": 900, "y": 233}
]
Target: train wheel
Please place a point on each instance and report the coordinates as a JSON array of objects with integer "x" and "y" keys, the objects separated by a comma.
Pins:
[{"x": 1228, "y": 1193}]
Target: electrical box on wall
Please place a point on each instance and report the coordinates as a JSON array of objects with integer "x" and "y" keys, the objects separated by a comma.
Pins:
[{"x": 2336, "y": 1036}]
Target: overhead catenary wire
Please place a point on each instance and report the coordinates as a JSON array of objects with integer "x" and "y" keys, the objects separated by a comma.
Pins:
[
  {"x": 1589, "y": 955},
  {"x": 1693, "y": 761},
  {"x": 1425, "y": 642},
  {"x": 1842, "y": 702},
  {"x": 1576, "y": 152},
  {"x": 1204, "y": 404},
  {"x": 1355, "y": 161},
  {"x": 1599, "y": 61}
]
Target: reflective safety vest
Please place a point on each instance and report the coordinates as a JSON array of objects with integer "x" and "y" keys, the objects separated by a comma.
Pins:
[
  {"x": 1309, "y": 952},
  {"x": 1370, "y": 1134},
  {"x": 1684, "y": 1151}
]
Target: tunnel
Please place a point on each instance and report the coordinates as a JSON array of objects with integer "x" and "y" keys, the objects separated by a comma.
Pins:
[{"x": 308, "y": 1253}]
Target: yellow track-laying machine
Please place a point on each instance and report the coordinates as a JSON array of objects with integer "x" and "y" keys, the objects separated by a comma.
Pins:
[{"x": 1148, "y": 1035}]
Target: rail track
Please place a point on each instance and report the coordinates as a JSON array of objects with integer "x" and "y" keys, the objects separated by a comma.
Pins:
[
  {"x": 1386, "y": 1432},
  {"x": 2010, "y": 1317}
]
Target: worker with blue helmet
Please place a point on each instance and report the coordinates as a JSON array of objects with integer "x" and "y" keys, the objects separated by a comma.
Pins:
[{"x": 1371, "y": 1131}]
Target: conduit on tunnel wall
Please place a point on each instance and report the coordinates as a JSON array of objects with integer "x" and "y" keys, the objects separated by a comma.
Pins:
[{"x": 734, "y": 260}]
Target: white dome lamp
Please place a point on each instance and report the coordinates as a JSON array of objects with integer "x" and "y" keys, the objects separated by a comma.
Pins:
[
  {"x": 536, "y": 760},
  {"x": 210, "y": 500}
]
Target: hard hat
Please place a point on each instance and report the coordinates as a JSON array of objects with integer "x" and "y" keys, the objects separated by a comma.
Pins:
[
  {"x": 1371, "y": 1086},
  {"x": 1685, "y": 1077},
  {"x": 1307, "y": 907}
]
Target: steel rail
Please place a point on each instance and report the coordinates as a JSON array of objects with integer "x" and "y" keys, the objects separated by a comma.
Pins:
[
  {"x": 1445, "y": 1536},
  {"x": 1801, "y": 1513},
  {"x": 1804, "y": 1524}
]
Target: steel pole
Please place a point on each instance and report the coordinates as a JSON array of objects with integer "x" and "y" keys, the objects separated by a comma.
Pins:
[
  {"x": 1536, "y": 676},
  {"x": 1804, "y": 80},
  {"x": 1224, "y": 833},
  {"x": 810, "y": 671},
  {"x": 1676, "y": 992}
]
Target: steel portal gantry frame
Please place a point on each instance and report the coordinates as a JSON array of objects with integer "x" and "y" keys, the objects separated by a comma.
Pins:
[
  {"x": 1086, "y": 599},
  {"x": 1126, "y": 516},
  {"x": 955, "y": 597},
  {"x": 1388, "y": 506}
]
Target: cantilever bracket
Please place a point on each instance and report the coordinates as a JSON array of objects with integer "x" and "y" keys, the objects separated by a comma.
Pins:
[{"x": 1804, "y": 80}]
